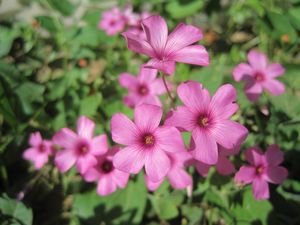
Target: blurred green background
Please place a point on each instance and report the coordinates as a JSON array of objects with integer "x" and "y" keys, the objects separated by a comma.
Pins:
[{"x": 55, "y": 64}]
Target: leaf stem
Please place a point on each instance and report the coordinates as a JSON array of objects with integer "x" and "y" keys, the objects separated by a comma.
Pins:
[{"x": 168, "y": 91}]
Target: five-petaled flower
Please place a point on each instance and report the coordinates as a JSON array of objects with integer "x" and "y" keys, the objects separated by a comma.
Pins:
[
  {"x": 208, "y": 119},
  {"x": 79, "y": 148},
  {"x": 144, "y": 88},
  {"x": 147, "y": 143},
  {"x": 258, "y": 75},
  {"x": 166, "y": 49}
]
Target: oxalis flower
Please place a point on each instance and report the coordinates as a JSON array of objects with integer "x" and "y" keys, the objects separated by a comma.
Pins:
[
  {"x": 263, "y": 168},
  {"x": 79, "y": 148},
  {"x": 208, "y": 119},
  {"x": 108, "y": 177},
  {"x": 39, "y": 150},
  {"x": 258, "y": 75},
  {"x": 146, "y": 143},
  {"x": 178, "y": 177},
  {"x": 144, "y": 88},
  {"x": 166, "y": 50}
]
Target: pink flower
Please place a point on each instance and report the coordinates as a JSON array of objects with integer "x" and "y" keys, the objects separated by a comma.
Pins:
[
  {"x": 177, "y": 176},
  {"x": 136, "y": 27},
  {"x": 144, "y": 88},
  {"x": 258, "y": 75},
  {"x": 79, "y": 148},
  {"x": 108, "y": 177},
  {"x": 39, "y": 151},
  {"x": 112, "y": 22},
  {"x": 166, "y": 50},
  {"x": 146, "y": 142},
  {"x": 208, "y": 119},
  {"x": 224, "y": 166},
  {"x": 131, "y": 17},
  {"x": 263, "y": 168}
]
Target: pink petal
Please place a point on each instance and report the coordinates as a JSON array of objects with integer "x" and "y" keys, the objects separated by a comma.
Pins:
[
  {"x": 132, "y": 100},
  {"x": 64, "y": 160},
  {"x": 274, "y": 156},
  {"x": 65, "y": 138},
  {"x": 120, "y": 178},
  {"x": 274, "y": 70},
  {"x": 106, "y": 186},
  {"x": 193, "y": 96},
  {"x": 229, "y": 133},
  {"x": 167, "y": 67},
  {"x": 158, "y": 86},
  {"x": 179, "y": 178},
  {"x": 257, "y": 60},
  {"x": 85, "y": 127},
  {"x": 194, "y": 54},
  {"x": 156, "y": 31},
  {"x": 92, "y": 174},
  {"x": 254, "y": 156},
  {"x": 130, "y": 159},
  {"x": 128, "y": 81},
  {"x": 152, "y": 186},
  {"x": 245, "y": 175},
  {"x": 206, "y": 149},
  {"x": 202, "y": 168},
  {"x": 151, "y": 100},
  {"x": 223, "y": 102},
  {"x": 85, "y": 162},
  {"x": 183, "y": 35},
  {"x": 30, "y": 154},
  {"x": 157, "y": 165},
  {"x": 225, "y": 166},
  {"x": 276, "y": 174},
  {"x": 169, "y": 139},
  {"x": 275, "y": 87},
  {"x": 99, "y": 145},
  {"x": 147, "y": 75},
  {"x": 260, "y": 189},
  {"x": 137, "y": 44},
  {"x": 182, "y": 118},
  {"x": 40, "y": 161},
  {"x": 35, "y": 139},
  {"x": 242, "y": 72},
  {"x": 147, "y": 117},
  {"x": 123, "y": 130}
]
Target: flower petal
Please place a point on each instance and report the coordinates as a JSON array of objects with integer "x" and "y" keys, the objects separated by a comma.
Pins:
[
  {"x": 206, "y": 149},
  {"x": 120, "y": 178},
  {"x": 123, "y": 130},
  {"x": 179, "y": 178},
  {"x": 156, "y": 31},
  {"x": 169, "y": 139},
  {"x": 128, "y": 81},
  {"x": 99, "y": 145},
  {"x": 242, "y": 72},
  {"x": 183, "y": 35},
  {"x": 40, "y": 161},
  {"x": 147, "y": 117},
  {"x": 106, "y": 186},
  {"x": 85, "y": 162},
  {"x": 202, "y": 168},
  {"x": 65, "y": 138},
  {"x": 35, "y": 139},
  {"x": 225, "y": 166},
  {"x": 158, "y": 87},
  {"x": 92, "y": 174},
  {"x": 167, "y": 67},
  {"x": 275, "y": 70},
  {"x": 257, "y": 60},
  {"x": 274, "y": 156},
  {"x": 182, "y": 118},
  {"x": 152, "y": 186},
  {"x": 223, "y": 102},
  {"x": 274, "y": 87},
  {"x": 147, "y": 75},
  {"x": 65, "y": 159},
  {"x": 260, "y": 189},
  {"x": 254, "y": 156},
  {"x": 253, "y": 91},
  {"x": 30, "y": 154},
  {"x": 85, "y": 127},
  {"x": 130, "y": 159},
  {"x": 245, "y": 175},
  {"x": 276, "y": 174},
  {"x": 194, "y": 54},
  {"x": 157, "y": 165}
]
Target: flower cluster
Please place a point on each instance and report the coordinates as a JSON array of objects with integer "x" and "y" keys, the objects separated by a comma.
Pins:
[{"x": 153, "y": 142}]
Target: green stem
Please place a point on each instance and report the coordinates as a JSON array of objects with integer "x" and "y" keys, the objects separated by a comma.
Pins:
[{"x": 168, "y": 91}]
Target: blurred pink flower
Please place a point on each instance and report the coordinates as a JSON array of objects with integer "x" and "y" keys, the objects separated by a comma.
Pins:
[
  {"x": 178, "y": 177},
  {"x": 208, "y": 120},
  {"x": 39, "y": 151},
  {"x": 79, "y": 148},
  {"x": 112, "y": 21},
  {"x": 146, "y": 142},
  {"x": 144, "y": 88},
  {"x": 108, "y": 177},
  {"x": 166, "y": 50},
  {"x": 136, "y": 27},
  {"x": 131, "y": 17},
  {"x": 258, "y": 75},
  {"x": 263, "y": 168}
]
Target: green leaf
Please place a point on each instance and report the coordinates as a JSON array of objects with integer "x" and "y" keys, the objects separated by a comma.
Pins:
[
  {"x": 15, "y": 209},
  {"x": 294, "y": 15},
  {"x": 180, "y": 10},
  {"x": 89, "y": 105},
  {"x": 6, "y": 39},
  {"x": 193, "y": 213},
  {"x": 65, "y": 7},
  {"x": 49, "y": 23}
]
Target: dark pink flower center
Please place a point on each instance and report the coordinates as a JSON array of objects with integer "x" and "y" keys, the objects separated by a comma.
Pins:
[
  {"x": 82, "y": 148},
  {"x": 203, "y": 121},
  {"x": 259, "y": 170},
  {"x": 112, "y": 22},
  {"x": 42, "y": 148},
  {"x": 143, "y": 90},
  {"x": 107, "y": 166},
  {"x": 148, "y": 140},
  {"x": 259, "y": 76}
]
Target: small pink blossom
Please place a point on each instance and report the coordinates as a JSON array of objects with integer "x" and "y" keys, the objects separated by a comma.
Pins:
[
  {"x": 147, "y": 143},
  {"x": 39, "y": 151},
  {"x": 79, "y": 148},
  {"x": 263, "y": 168},
  {"x": 108, "y": 177},
  {"x": 136, "y": 27},
  {"x": 208, "y": 119},
  {"x": 258, "y": 75},
  {"x": 112, "y": 21},
  {"x": 178, "y": 177},
  {"x": 166, "y": 49},
  {"x": 145, "y": 88}
]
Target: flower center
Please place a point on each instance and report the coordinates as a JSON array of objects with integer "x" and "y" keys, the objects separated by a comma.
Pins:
[
  {"x": 258, "y": 76},
  {"x": 203, "y": 121},
  {"x": 148, "y": 140},
  {"x": 112, "y": 22},
  {"x": 107, "y": 166},
  {"x": 143, "y": 90},
  {"x": 83, "y": 148},
  {"x": 259, "y": 170},
  {"x": 42, "y": 148}
]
